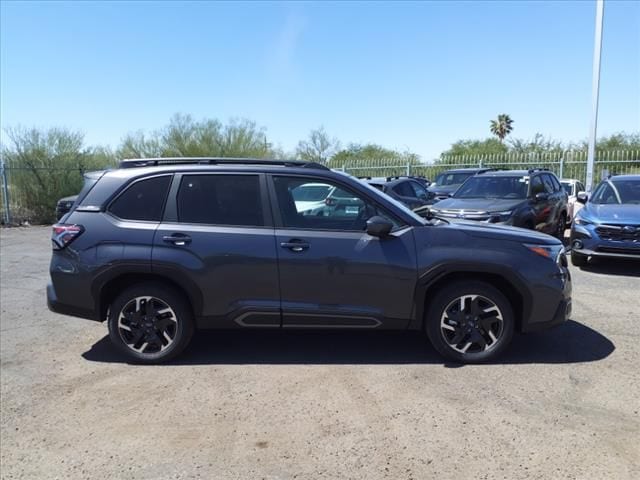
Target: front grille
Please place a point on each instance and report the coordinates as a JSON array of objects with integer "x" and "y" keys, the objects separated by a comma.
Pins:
[
  {"x": 621, "y": 250},
  {"x": 619, "y": 232},
  {"x": 466, "y": 215}
]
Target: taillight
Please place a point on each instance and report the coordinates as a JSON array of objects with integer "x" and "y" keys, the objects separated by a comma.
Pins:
[
  {"x": 330, "y": 202},
  {"x": 64, "y": 234}
]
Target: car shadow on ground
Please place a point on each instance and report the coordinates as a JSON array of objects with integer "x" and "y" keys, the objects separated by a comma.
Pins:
[
  {"x": 613, "y": 266},
  {"x": 571, "y": 342}
]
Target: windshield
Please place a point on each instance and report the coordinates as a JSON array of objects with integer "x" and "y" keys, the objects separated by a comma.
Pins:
[
  {"x": 494, "y": 187},
  {"x": 310, "y": 193},
  {"x": 451, "y": 178},
  {"x": 618, "y": 192},
  {"x": 568, "y": 187}
]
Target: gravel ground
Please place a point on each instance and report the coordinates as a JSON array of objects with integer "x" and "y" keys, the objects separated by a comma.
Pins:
[{"x": 274, "y": 405}]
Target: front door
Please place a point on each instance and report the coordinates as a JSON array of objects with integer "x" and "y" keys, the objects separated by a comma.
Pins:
[{"x": 332, "y": 273}]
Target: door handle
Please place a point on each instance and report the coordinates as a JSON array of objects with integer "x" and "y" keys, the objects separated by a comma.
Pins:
[
  {"x": 178, "y": 239},
  {"x": 295, "y": 245}
]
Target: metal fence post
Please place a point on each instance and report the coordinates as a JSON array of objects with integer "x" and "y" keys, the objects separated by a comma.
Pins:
[
  {"x": 5, "y": 191},
  {"x": 408, "y": 169},
  {"x": 561, "y": 172}
]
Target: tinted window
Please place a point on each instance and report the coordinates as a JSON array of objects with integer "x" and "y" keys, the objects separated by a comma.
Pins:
[
  {"x": 556, "y": 183},
  {"x": 404, "y": 189},
  {"x": 451, "y": 178},
  {"x": 420, "y": 192},
  {"x": 568, "y": 187},
  {"x": 311, "y": 193},
  {"x": 536, "y": 186},
  {"x": 482, "y": 186},
  {"x": 342, "y": 210},
  {"x": 548, "y": 183},
  {"x": 143, "y": 200},
  {"x": 220, "y": 200}
]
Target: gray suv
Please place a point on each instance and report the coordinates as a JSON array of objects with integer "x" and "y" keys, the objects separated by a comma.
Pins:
[{"x": 159, "y": 248}]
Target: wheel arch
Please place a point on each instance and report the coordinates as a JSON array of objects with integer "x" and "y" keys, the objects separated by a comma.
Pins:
[
  {"x": 112, "y": 287},
  {"x": 512, "y": 289}
]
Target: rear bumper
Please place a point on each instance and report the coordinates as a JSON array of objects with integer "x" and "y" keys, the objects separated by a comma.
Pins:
[{"x": 57, "y": 307}]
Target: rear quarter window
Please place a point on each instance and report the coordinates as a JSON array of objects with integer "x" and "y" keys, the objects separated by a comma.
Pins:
[{"x": 143, "y": 200}]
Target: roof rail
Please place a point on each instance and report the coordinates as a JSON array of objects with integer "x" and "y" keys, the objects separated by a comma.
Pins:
[
  {"x": 154, "y": 162},
  {"x": 538, "y": 169}
]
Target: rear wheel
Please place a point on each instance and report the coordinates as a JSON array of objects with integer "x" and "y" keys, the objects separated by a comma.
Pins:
[
  {"x": 578, "y": 259},
  {"x": 150, "y": 322},
  {"x": 470, "y": 322}
]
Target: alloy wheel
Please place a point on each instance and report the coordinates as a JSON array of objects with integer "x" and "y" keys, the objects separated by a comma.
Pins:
[
  {"x": 471, "y": 324},
  {"x": 147, "y": 325}
]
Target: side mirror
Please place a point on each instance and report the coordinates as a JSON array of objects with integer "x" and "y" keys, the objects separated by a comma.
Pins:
[
  {"x": 582, "y": 197},
  {"x": 378, "y": 226},
  {"x": 541, "y": 197}
]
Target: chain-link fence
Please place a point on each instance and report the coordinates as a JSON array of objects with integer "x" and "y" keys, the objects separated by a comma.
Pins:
[{"x": 30, "y": 192}]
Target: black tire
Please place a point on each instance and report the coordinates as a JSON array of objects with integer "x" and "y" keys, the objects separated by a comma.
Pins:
[
  {"x": 579, "y": 260},
  {"x": 141, "y": 310},
  {"x": 439, "y": 314}
]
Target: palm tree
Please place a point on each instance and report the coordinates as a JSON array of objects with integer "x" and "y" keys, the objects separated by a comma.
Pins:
[{"x": 502, "y": 126}]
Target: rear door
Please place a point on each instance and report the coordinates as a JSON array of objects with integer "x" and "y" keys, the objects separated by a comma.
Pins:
[
  {"x": 332, "y": 273},
  {"x": 217, "y": 240}
]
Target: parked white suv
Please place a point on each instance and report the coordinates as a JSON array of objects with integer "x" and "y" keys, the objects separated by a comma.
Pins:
[{"x": 573, "y": 187}]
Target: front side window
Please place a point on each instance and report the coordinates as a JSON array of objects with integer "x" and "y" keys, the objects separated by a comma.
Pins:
[
  {"x": 536, "y": 186},
  {"x": 548, "y": 183},
  {"x": 143, "y": 200},
  {"x": 232, "y": 200},
  {"x": 343, "y": 209},
  {"x": 420, "y": 192}
]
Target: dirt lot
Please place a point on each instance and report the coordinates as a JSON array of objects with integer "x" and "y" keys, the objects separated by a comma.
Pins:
[{"x": 560, "y": 404}]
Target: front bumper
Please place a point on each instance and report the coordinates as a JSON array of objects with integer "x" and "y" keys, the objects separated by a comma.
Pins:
[{"x": 584, "y": 240}]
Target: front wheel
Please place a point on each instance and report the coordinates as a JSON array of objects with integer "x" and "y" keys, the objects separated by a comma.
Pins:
[
  {"x": 150, "y": 322},
  {"x": 470, "y": 322}
]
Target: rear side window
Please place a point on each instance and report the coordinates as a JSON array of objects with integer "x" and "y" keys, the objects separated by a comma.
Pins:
[
  {"x": 404, "y": 189},
  {"x": 143, "y": 200},
  {"x": 220, "y": 200}
]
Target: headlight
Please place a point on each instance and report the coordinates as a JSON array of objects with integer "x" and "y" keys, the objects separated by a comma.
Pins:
[
  {"x": 552, "y": 252},
  {"x": 582, "y": 221},
  {"x": 500, "y": 216}
]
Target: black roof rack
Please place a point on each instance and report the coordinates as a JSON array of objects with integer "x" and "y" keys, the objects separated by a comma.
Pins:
[
  {"x": 538, "y": 169},
  {"x": 154, "y": 162}
]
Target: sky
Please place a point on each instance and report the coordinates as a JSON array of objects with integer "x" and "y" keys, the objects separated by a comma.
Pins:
[{"x": 410, "y": 76}]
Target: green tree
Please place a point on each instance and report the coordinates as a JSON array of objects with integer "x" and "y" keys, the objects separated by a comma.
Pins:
[
  {"x": 318, "y": 147},
  {"x": 502, "y": 126},
  {"x": 488, "y": 146},
  {"x": 357, "y": 155},
  {"x": 45, "y": 165},
  {"x": 186, "y": 137},
  {"x": 538, "y": 144}
]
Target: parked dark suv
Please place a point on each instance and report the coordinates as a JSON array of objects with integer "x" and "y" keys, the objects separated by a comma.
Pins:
[
  {"x": 448, "y": 182},
  {"x": 531, "y": 199},
  {"x": 411, "y": 191},
  {"x": 160, "y": 247}
]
